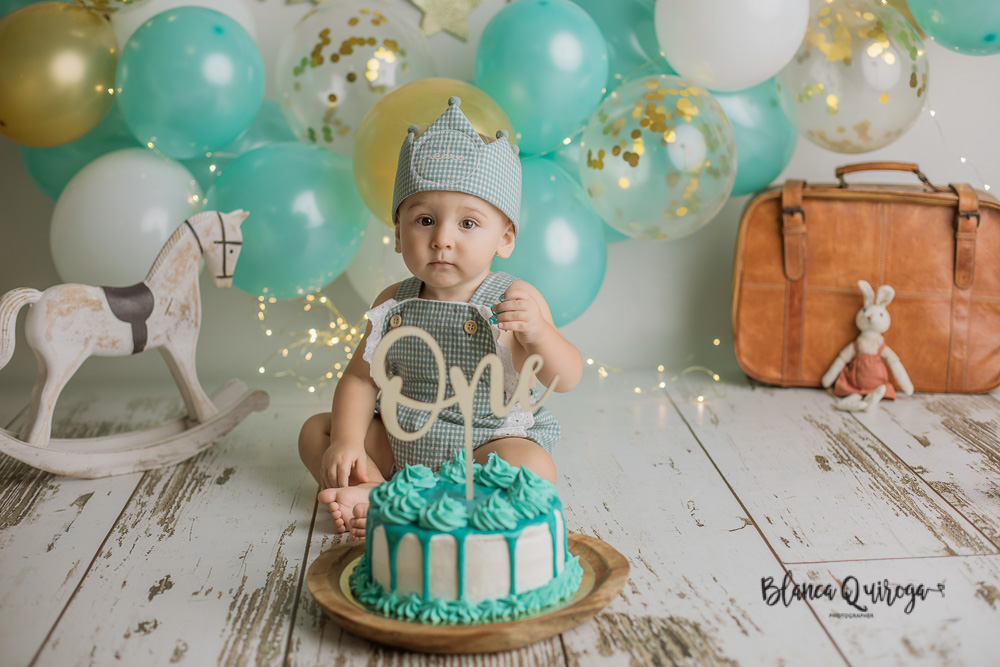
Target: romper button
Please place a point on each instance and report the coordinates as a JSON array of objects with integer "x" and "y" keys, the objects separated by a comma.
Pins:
[
  {"x": 471, "y": 327},
  {"x": 395, "y": 321}
]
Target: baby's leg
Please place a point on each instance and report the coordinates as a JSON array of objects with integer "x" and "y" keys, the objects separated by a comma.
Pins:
[
  {"x": 314, "y": 441},
  {"x": 519, "y": 452}
]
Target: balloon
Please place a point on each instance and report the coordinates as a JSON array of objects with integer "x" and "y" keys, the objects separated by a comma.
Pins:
[
  {"x": 859, "y": 79},
  {"x": 730, "y": 44},
  {"x": 128, "y": 20},
  {"x": 627, "y": 26},
  {"x": 377, "y": 264},
  {"x": 190, "y": 81},
  {"x": 658, "y": 158},
  {"x": 114, "y": 216},
  {"x": 555, "y": 75},
  {"x": 971, "y": 27},
  {"x": 341, "y": 59},
  {"x": 52, "y": 168},
  {"x": 377, "y": 142},
  {"x": 57, "y": 73},
  {"x": 306, "y": 218},
  {"x": 765, "y": 140},
  {"x": 268, "y": 128},
  {"x": 560, "y": 248},
  {"x": 7, "y": 6},
  {"x": 568, "y": 157},
  {"x": 110, "y": 6}
]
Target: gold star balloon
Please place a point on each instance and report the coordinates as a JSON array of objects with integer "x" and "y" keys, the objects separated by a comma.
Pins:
[{"x": 447, "y": 15}]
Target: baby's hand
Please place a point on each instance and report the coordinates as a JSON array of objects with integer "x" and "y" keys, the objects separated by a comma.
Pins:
[
  {"x": 339, "y": 463},
  {"x": 518, "y": 311}
]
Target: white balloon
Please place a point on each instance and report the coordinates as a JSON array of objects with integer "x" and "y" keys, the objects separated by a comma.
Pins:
[
  {"x": 126, "y": 21},
  {"x": 730, "y": 44},
  {"x": 377, "y": 264},
  {"x": 115, "y": 214}
]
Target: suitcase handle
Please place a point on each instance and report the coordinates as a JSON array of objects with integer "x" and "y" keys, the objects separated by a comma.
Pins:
[{"x": 909, "y": 167}]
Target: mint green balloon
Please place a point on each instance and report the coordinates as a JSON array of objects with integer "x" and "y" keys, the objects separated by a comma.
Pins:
[
  {"x": 190, "y": 80},
  {"x": 765, "y": 140},
  {"x": 306, "y": 217},
  {"x": 971, "y": 27},
  {"x": 560, "y": 248},
  {"x": 545, "y": 62},
  {"x": 270, "y": 127},
  {"x": 52, "y": 168}
]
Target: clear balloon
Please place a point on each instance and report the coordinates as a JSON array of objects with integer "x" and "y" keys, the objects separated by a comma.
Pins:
[
  {"x": 52, "y": 168},
  {"x": 552, "y": 79},
  {"x": 133, "y": 14},
  {"x": 377, "y": 143},
  {"x": 190, "y": 80},
  {"x": 765, "y": 140},
  {"x": 730, "y": 44},
  {"x": 114, "y": 216},
  {"x": 57, "y": 73},
  {"x": 658, "y": 158},
  {"x": 971, "y": 27},
  {"x": 109, "y": 6},
  {"x": 377, "y": 264},
  {"x": 269, "y": 127},
  {"x": 341, "y": 59},
  {"x": 627, "y": 26},
  {"x": 568, "y": 157},
  {"x": 306, "y": 219},
  {"x": 560, "y": 247},
  {"x": 858, "y": 81}
]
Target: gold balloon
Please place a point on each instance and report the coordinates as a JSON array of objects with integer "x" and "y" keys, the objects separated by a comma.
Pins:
[
  {"x": 57, "y": 71},
  {"x": 381, "y": 133}
]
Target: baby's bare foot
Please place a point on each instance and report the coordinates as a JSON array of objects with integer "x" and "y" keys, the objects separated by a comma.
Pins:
[
  {"x": 358, "y": 520},
  {"x": 342, "y": 502}
]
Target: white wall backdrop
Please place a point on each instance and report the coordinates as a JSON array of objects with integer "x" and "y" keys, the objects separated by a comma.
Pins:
[{"x": 661, "y": 302}]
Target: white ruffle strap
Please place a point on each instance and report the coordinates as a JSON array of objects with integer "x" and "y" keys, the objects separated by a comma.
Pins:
[{"x": 377, "y": 317}]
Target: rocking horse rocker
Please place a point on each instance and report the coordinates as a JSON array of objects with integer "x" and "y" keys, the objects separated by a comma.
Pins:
[{"x": 68, "y": 323}]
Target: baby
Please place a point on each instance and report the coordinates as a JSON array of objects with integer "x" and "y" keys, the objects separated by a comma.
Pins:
[{"x": 455, "y": 206}]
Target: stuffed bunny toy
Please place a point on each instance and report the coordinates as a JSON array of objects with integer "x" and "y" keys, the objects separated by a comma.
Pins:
[{"x": 860, "y": 373}]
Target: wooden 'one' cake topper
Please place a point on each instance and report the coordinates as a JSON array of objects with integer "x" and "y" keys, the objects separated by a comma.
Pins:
[{"x": 465, "y": 391}]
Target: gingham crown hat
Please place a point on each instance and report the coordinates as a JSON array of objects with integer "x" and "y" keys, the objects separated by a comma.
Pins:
[{"x": 450, "y": 155}]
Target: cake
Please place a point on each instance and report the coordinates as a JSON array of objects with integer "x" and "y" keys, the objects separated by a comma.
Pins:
[{"x": 499, "y": 557}]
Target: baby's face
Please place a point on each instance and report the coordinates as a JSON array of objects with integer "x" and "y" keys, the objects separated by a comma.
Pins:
[{"x": 448, "y": 239}]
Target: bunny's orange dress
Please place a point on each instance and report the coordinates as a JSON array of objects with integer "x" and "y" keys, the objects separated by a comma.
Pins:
[{"x": 863, "y": 375}]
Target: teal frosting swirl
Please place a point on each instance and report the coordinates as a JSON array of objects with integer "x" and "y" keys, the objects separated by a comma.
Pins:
[
  {"x": 530, "y": 495},
  {"x": 419, "y": 476},
  {"x": 444, "y": 514},
  {"x": 379, "y": 495},
  {"x": 494, "y": 513},
  {"x": 454, "y": 471},
  {"x": 460, "y": 612},
  {"x": 434, "y": 612},
  {"x": 403, "y": 509},
  {"x": 496, "y": 473}
]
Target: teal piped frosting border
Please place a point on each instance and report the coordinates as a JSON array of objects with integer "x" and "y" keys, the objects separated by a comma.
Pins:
[{"x": 412, "y": 608}]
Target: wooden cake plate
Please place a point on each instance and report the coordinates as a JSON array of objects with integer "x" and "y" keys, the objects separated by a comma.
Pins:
[{"x": 605, "y": 572}]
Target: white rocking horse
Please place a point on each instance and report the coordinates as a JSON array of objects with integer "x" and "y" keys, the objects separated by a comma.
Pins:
[{"x": 68, "y": 323}]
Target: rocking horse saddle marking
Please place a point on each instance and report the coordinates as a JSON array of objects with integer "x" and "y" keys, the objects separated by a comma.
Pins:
[{"x": 133, "y": 305}]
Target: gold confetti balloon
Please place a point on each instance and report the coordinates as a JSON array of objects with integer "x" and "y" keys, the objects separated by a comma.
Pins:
[
  {"x": 376, "y": 146},
  {"x": 658, "y": 158},
  {"x": 859, "y": 79},
  {"x": 57, "y": 73},
  {"x": 338, "y": 61},
  {"x": 109, "y": 6}
]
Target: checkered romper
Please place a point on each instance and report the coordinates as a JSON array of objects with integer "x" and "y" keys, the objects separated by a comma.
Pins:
[{"x": 449, "y": 323}]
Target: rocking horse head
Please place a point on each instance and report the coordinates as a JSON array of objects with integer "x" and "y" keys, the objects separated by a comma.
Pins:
[{"x": 219, "y": 240}]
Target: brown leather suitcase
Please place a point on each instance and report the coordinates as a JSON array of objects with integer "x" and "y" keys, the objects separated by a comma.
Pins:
[{"x": 802, "y": 248}]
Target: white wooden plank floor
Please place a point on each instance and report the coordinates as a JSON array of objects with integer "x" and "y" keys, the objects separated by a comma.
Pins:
[{"x": 724, "y": 508}]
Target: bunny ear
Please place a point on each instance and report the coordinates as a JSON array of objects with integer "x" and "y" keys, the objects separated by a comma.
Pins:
[
  {"x": 867, "y": 291},
  {"x": 885, "y": 295}
]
